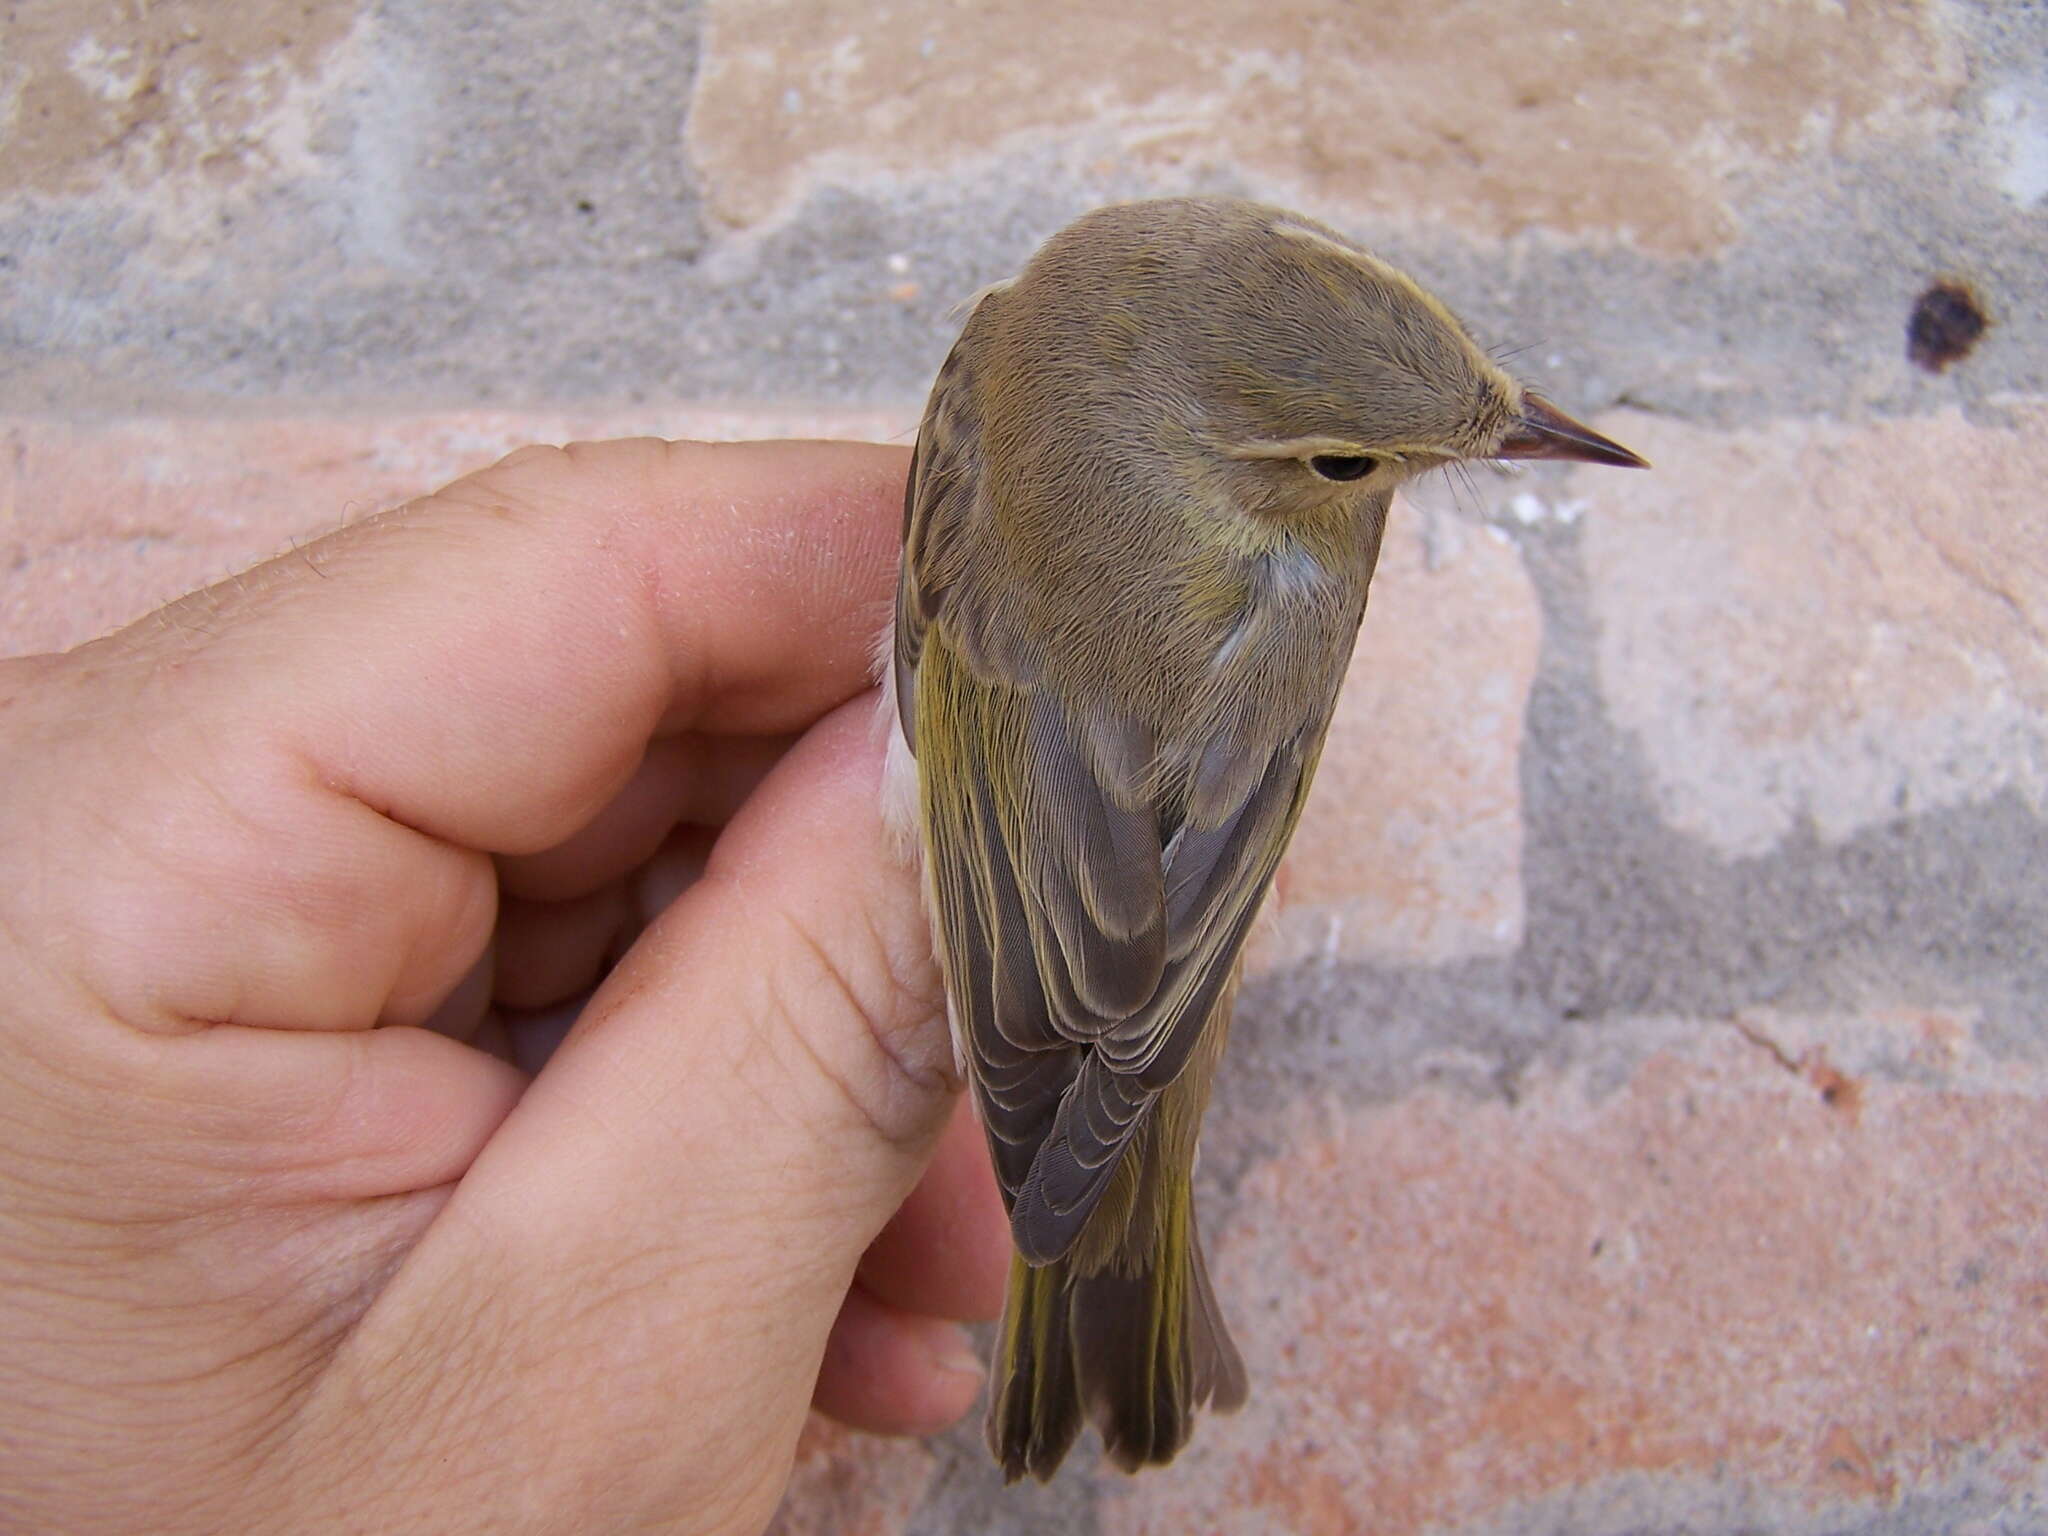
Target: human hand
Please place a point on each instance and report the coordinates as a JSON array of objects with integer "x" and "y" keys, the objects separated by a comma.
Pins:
[{"x": 287, "y": 1242}]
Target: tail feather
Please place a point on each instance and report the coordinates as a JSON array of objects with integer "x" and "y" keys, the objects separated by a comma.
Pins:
[
  {"x": 1122, "y": 1329},
  {"x": 1136, "y": 1348},
  {"x": 1218, "y": 1369},
  {"x": 1034, "y": 1413}
]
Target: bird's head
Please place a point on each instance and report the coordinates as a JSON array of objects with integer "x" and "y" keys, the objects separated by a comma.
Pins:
[{"x": 1282, "y": 364}]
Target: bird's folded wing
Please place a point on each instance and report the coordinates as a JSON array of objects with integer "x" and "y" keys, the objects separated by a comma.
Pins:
[{"x": 1090, "y": 920}]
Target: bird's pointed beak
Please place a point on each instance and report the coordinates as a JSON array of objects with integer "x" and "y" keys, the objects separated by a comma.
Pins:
[{"x": 1545, "y": 432}]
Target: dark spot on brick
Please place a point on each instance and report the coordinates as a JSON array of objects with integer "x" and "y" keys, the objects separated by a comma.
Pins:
[
  {"x": 1947, "y": 321},
  {"x": 1838, "y": 1090},
  {"x": 585, "y": 205}
]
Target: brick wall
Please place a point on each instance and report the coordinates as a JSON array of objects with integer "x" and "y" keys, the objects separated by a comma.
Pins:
[{"x": 1636, "y": 1121}]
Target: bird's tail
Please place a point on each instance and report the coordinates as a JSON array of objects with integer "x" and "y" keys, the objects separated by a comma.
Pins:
[{"x": 1123, "y": 1330}]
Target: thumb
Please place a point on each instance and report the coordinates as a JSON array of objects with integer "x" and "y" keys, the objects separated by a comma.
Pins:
[{"x": 634, "y": 1284}]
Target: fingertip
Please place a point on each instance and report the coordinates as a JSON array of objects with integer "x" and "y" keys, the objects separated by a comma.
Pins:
[
  {"x": 896, "y": 1373},
  {"x": 425, "y": 1106},
  {"x": 547, "y": 951},
  {"x": 344, "y": 1115},
  {"x": 946, "y": 1251}
]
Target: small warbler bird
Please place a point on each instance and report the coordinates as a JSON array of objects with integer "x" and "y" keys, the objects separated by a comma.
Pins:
[{"x": 1146, "y": 501}]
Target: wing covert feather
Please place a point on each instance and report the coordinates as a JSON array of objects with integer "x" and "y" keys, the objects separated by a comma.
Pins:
[{"x": 1075, "y": 1023}]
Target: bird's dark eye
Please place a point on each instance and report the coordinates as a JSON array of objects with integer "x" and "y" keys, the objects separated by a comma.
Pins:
[{"x": 1342, "y": 466}]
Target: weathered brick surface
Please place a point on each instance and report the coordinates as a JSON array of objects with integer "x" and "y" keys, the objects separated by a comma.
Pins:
[
  {"x": 1841, "y": 625},
  {"x": 1808, "y": 1248},
  {"x": 1636, "y": 1123},
  {"x": 853, "y": 1485},
  {"x": 1410, "y": 849},
  {"x": 1654, "y": 109}
]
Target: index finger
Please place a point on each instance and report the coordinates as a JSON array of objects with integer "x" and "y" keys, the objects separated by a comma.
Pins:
[{"x": 488, "y": 664}]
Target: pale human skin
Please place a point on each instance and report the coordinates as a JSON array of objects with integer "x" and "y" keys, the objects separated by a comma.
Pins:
[{"x": 286, "y": 1242}]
